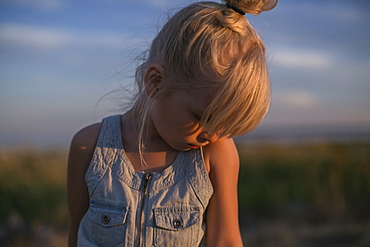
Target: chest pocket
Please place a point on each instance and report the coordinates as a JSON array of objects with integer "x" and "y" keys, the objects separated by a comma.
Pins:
[
  {"x": 176, "y": 226},
  {"x": 107, "y": 223}
]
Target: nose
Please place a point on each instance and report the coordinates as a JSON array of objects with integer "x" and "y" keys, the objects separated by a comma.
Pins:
[{"x": 209, "y": 137}]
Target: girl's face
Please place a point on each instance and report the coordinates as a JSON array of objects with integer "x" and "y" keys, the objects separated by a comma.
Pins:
[{"x": 175, "y": 119}]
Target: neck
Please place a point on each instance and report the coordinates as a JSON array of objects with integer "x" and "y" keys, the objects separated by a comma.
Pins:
[
  {"x": 130, "y": 134},
  {"x": 157, "y": 154},
  {"x": 129, "y": 131}
]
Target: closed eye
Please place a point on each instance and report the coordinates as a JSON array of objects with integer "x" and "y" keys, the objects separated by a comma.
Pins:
[{"x": 197, "y": 116}]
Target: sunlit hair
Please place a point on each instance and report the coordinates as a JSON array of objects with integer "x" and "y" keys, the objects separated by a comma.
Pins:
[{"x": 210, "y": 46}]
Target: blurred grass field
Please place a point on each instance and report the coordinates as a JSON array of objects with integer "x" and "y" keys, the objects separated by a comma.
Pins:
[{"x": 314, "y": 194}]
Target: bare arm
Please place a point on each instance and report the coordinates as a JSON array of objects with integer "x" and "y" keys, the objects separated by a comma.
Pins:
[
  {"x": 222, "y": 213},
  {"x": 80, "y": 154}
]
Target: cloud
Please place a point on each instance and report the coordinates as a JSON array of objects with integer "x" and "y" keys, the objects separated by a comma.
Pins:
[
  {"x": 158, "y": 2},
  {"x": 303, "y": 59},
  {"x": 334, "y": 11},
  {"x": 298, "y": 99},
  {"x": 167, "y": 4},
  {"x": 42, "y": 4},
  {"x": 51, "y": 38},
  {"x": 35, "y": 37},
  {"x": 296, "y": 107},
  {"x": 153, "y": 3}
]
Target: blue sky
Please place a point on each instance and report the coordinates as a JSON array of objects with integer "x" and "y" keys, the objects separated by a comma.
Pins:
[{"x": 59, "y": 57}]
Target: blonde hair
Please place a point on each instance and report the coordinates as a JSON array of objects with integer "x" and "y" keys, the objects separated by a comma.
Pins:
[{"x": 209, "y": 45}]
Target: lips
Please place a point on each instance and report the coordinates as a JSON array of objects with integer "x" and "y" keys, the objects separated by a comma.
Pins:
[{"x": 193, "y": 146}]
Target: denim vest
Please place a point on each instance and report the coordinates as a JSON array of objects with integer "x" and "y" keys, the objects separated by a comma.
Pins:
[{"x": 133, "y": 208}]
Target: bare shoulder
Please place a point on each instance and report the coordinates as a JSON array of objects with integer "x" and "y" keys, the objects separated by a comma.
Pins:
[
  {"x": 80, "y": 154},
  {"x": 222, "y": 160},
  {"x": 83, "y": 144},
  {"x": 221, "y": 155},
  {"x": 87, "y": 137}
]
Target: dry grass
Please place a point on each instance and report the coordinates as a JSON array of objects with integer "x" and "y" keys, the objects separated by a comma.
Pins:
[
  {"x": 305, "y": 195},
  {"x": 290, "y": 195}
]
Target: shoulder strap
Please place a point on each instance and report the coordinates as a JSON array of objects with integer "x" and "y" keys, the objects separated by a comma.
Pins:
[
  {"x": 104, "y": 156},
  {"x": 199, "y": 178},
  {"x": 110, "y": 133}
]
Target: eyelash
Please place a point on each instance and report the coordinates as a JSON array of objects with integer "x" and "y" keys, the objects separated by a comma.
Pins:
[{"x": 197, "y": 117}]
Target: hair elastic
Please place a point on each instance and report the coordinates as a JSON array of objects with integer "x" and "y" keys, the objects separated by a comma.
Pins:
[{"x": 235, "y": 9}]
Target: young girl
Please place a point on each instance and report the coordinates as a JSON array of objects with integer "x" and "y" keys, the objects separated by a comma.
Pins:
[{"x": 165, "y": 172}]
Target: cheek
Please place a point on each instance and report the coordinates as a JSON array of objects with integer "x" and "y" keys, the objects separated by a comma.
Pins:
[
  {"x": 180, "y": 125},
  {"x": 191, "y": 128}
]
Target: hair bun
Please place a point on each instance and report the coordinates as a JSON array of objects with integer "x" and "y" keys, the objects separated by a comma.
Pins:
[{"x": 253, "y": 6}]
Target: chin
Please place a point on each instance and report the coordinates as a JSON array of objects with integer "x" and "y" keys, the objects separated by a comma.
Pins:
[{"x": 182, "y": 148}]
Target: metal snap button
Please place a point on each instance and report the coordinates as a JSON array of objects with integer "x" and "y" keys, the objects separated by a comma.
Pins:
[
  {"x": 177, "y": 223},
  {"x": 105, "y": 219}
]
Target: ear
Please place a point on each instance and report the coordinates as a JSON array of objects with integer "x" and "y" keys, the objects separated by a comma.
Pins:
[{"x": 152, "y": 79}]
